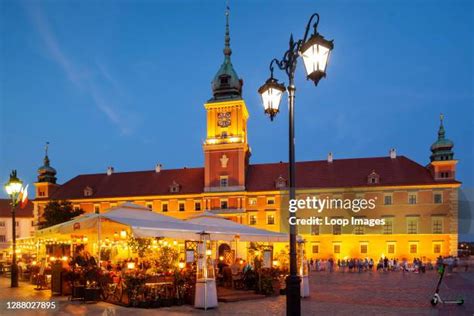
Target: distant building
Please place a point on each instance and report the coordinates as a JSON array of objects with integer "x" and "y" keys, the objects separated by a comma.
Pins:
[
  {"x": 24, "y": 222},
  {"x": 419, "y": 203}
]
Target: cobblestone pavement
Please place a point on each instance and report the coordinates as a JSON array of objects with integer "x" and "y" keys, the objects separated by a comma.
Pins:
[{"x": 368, "y": 293}]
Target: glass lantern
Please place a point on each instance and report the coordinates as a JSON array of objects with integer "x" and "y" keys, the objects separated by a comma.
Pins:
[{"x": 205, "y": 267}]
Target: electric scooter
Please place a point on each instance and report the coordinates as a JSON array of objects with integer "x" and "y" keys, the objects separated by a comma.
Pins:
[{"x": 437, "y": 298}]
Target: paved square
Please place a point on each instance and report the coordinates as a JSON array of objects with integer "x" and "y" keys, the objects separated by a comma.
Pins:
[{"x": 367, "y": 293}]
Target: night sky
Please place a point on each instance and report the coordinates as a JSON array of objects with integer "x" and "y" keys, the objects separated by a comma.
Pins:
[{"x": 123, "y": 83}]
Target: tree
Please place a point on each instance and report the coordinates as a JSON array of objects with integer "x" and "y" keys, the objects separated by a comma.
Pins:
[{"x": 57, "y": 212}]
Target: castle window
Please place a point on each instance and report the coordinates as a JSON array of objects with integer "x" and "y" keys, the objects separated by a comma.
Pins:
[
  {"x": 412, "y": 225},
  {"x": 224, "y": 181},
  {"x": 252, "y": 201},
  {"x": 3, "y": 238},
  {"x": 270, "y": 219},
  {"x": 412, "y": 198},
  {"x": 359, "y": 230},
  {"x": 175, "y": 187},
  {"x": 364, "y": 248},
  {"x": 438, "y": 198},
  {"x": 2, "y": 224},
  {"x": 197, "y": 206},
  {"x": 149, "y": 205},
  {"x": 391, "y": 248},
  {"x": 253, "y": 219},
  {"x": 413, "y": 248},
  {"x": 224, "y": 204},
  {"x": 336, "y": 248},
  {"x": 336, "y": 229},
  {"x": 88, "y": 191},
  {"x": 270, "y": 201},
  {"x": 164, "y": 207},
  {"x": 373, "y": 178},
  {"x": 387, "y": 200},
  {"x": 437, "y": 248},
  {"x": 388, "y": 227},
  {"x": 224, "y": 80},
  {"x": 280, "y": 183},
  {"x": 181, "y": 206},
  {"x": 437, "y": 225},
  {"x": 96, "y": 209},
  {"x": 315, "y": 249},
  {"x": 314, "y": 229}
]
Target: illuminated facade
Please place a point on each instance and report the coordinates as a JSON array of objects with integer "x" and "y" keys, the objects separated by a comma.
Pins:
[{"x": 419, "y": 203}]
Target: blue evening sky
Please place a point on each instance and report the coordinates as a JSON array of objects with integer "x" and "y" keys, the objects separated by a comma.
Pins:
[{"x": 123, "y": 83}]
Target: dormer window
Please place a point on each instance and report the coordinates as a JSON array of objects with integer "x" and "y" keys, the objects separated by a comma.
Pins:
[
  {"x": 224, "y": 80},
  {"x": 175, "y": 187},
  {"x": 280, "y": 183},
  {"x": 88, "y": 191},
  {"x": 373, "y": 178}
]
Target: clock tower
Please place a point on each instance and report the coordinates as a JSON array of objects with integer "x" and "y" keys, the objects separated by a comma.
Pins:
[{"x": 226, "y": 151}]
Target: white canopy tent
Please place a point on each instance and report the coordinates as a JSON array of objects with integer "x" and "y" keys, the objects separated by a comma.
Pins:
[
  {"x": 144, "y": 223},
  {"x": 224, "y": 229}
]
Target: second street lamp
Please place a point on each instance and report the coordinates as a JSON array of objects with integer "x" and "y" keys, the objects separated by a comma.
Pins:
[
  {"x": 315, "y": 52},
  {"x": 13, "y": 188}
]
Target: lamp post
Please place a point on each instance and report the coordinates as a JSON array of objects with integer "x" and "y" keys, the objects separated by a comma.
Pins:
[
  {"x": 315, "y": 53},
  {"x": 13, "y": 188}
]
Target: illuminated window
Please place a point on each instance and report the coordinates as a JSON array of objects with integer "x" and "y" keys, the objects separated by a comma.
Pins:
[
  {"x": 391, "y": 248},
  {"x": 363, "y": 248},
  {"x": 387, "y": 200},
  {"x": 388, "y": 227},
  {"x": 437, "y": 248},
  {"x": 252, "y": 201},
  {"x": 252, "y": 219},
  {"x": 315, "y": 249},
  {"x": 224, "y": 204},
  {"x": 412, "y": 198},
  {"x": 224, "y": 181},
  {"x": 414, "y": 248},
  {"x": 314, "y": 229},
  {"x": 359, "y": 230},
  {"x": 412, "y": 225},
  {"x": 197, "y": 206},
  {"x": 336, "y": 248},
  {"x": 164, "y": 207},
  {"x": 181, "y": 206},
  {"x": 437, "y": 225},
  {"x": 438, "y": 198},
  {"x": 270, "y": 219}
]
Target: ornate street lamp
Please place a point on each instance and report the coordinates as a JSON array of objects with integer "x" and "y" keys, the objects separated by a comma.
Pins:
[
  {"x": 315, "y": 53},
  {"x": 13, "y": 188}
]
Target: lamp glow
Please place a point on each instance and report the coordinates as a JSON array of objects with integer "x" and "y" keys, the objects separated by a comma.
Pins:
[
  {"x": 271, "y": 93},
  {"x": 315, "y": 53}
]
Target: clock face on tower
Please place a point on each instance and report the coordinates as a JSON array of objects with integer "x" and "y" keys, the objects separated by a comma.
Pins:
[{"x": 223, "y": 119}]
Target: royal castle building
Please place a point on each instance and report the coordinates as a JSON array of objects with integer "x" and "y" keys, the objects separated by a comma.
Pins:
[{"x": 419, "y": 203}]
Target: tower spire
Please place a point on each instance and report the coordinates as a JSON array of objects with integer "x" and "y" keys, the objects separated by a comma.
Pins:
[
  {"x": 441, "y": 131},
  {"x": 227, "y": 50},
  {"x": 226, "y": 83}
]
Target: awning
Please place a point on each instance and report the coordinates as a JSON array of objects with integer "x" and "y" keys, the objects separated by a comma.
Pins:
[{"x": 221, "y": 227}]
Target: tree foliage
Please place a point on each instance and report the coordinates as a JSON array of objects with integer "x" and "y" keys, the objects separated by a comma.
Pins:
[{"x": 57, "y": 212}]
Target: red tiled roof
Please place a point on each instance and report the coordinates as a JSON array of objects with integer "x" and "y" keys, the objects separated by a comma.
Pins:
[
  {"x": 260, "y": 177},
  {"x": 138, "y": 183},
  {"x": 342, "y": 173},
  {"x": 6, "y": 210}
]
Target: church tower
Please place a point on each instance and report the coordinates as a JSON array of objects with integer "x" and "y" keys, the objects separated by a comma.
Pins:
[
  {"x": 443, "y": 164},
  {"x": 226, "y": 151},
  {"x": 46, "y": 184}
]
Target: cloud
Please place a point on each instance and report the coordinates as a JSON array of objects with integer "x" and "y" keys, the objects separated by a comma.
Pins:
[{"x": 81, "y": 77}]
